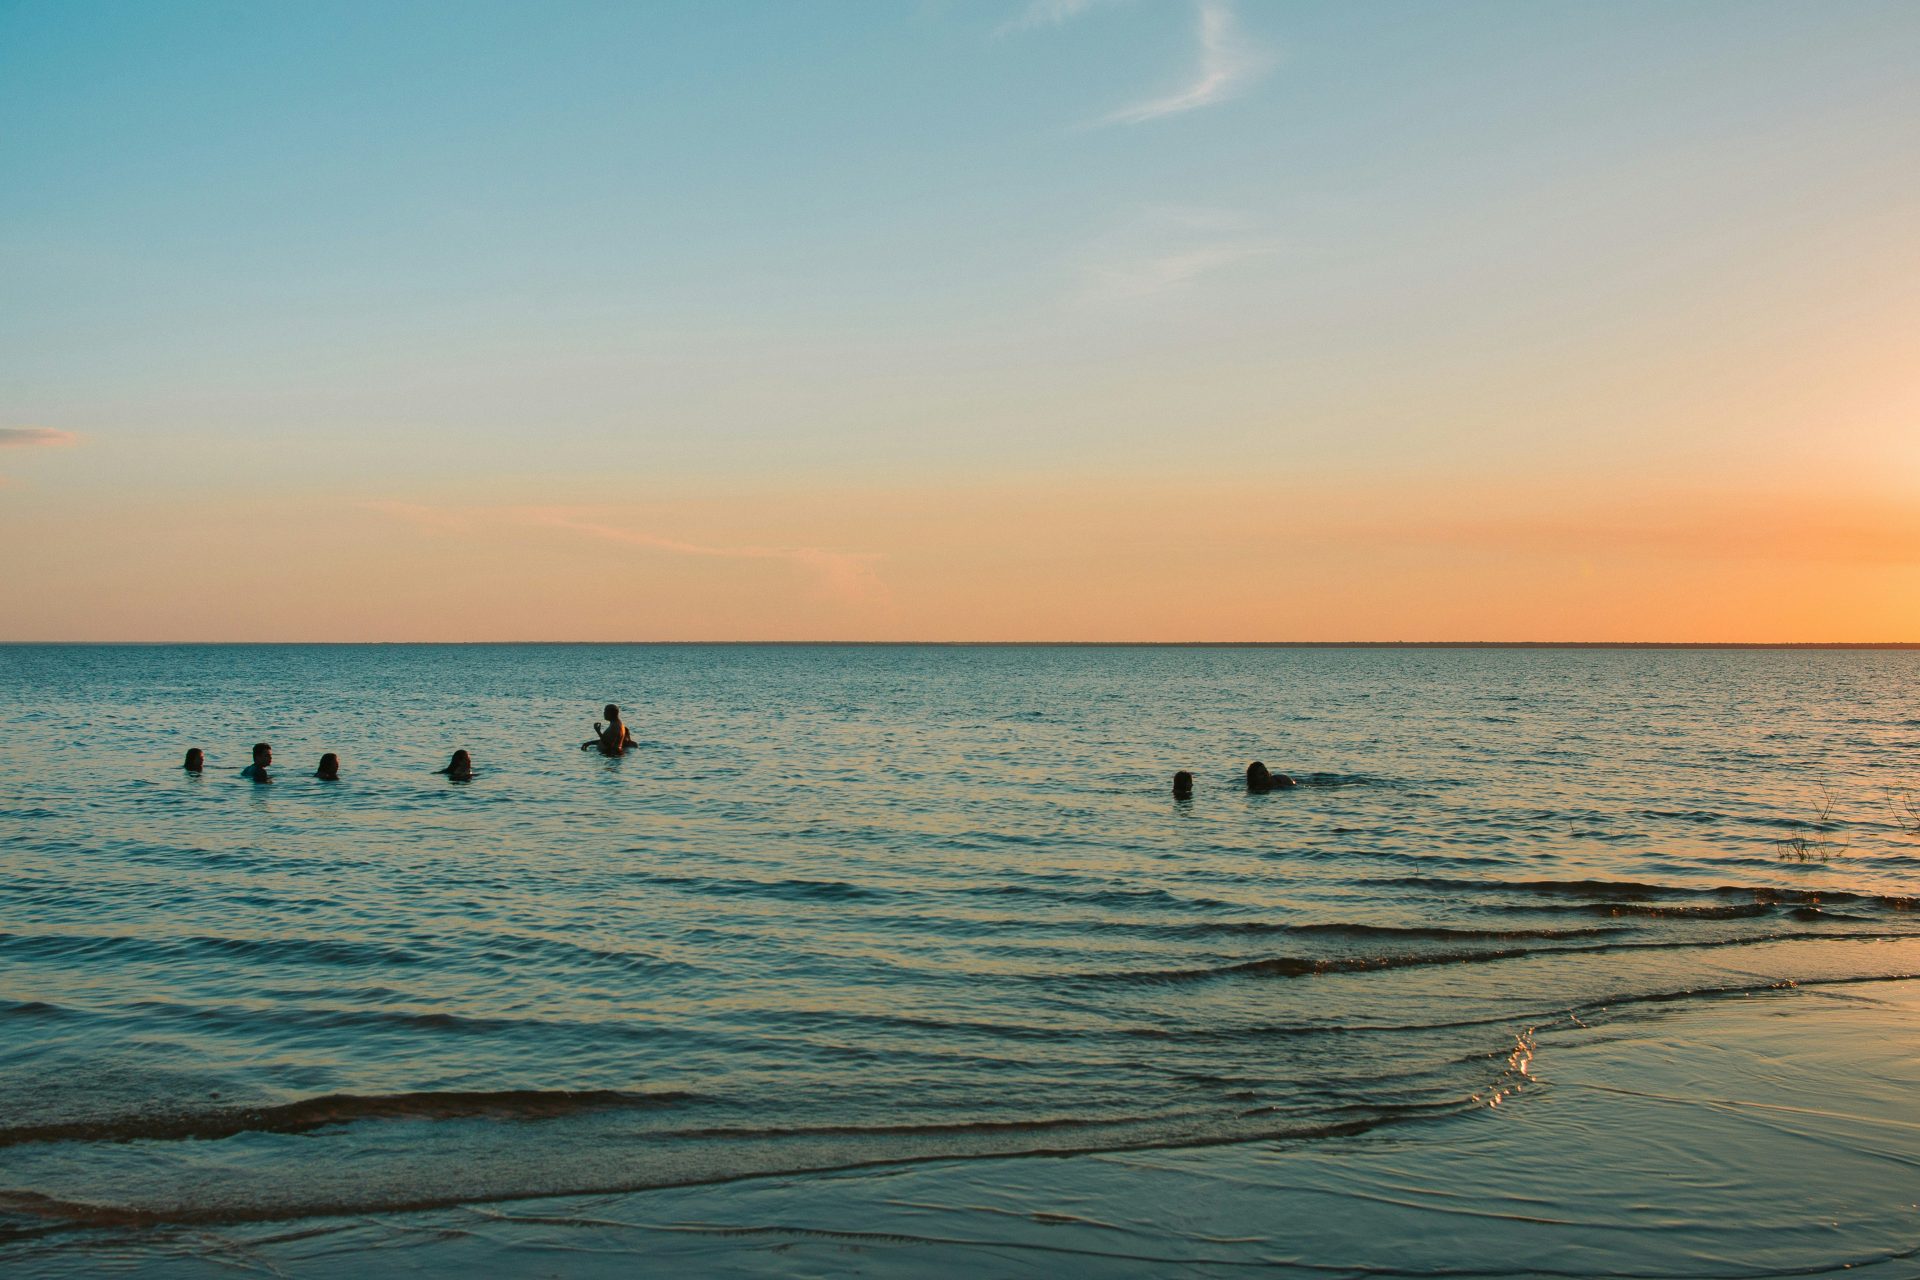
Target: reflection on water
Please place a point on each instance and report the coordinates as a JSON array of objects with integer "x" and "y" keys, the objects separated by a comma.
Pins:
[{"x": 856, "y": 904}]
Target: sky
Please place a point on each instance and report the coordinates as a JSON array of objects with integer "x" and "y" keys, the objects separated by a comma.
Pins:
[{"x": 1159, "y": 320}]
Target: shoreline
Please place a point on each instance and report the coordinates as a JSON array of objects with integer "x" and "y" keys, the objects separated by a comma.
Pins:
[{"x": 1653, "y": 1142}]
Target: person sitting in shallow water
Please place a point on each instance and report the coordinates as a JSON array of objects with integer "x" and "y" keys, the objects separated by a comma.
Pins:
[
  {"x": 612, "y": 738},
  {"x": 329, "y": 770},
  {"x": 1260, "y": 781},
  {"x": 196, "y": 760},
  {"x": 459, "y": 769},
  {"x": 262, "y": 757},
  {"x": 1183, "y": 785}
]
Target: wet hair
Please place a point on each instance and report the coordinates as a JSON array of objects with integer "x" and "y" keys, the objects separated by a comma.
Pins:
[
  {"x": 1259, "y": 779},
  {"x": 329, "y": 766},
  {"x": 195, "y": 759},
  {"x": 1182, "y": 785},
  {"x": 612, "y": 711},
  {"x": 261, "y": 749},
  {"x": 461, "y": 763}
]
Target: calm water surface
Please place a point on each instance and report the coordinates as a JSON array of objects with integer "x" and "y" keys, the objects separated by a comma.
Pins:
[{"x": 853, "y": 904}]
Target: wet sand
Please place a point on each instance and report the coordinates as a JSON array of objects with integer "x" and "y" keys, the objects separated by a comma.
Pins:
[{"x": 1766, "y": 1134}]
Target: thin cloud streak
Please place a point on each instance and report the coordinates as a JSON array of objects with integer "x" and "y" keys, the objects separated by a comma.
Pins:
[
  {"x": 1170, "y": 271},
  {"x": 1165, "y": 249},
  {"x": 35, "y": 438},
  {"x": 1045, "y": 13},
  {"x": 844, "y": 575},
  {"x": 1227, "y": 63},
  {"x": 847, "y": 574}
]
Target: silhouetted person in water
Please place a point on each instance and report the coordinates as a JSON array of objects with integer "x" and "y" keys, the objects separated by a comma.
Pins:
[
  {"x": 612, "y": 738},
  {"x": 262, "y": 757},
  {"x": 329, "y": 770},
  {"x": 196, "y": 760},
  {"x": 459, "y": 769},
  {"x": 1259, "y": 781},
  {"x": 1183, "y": 785}
]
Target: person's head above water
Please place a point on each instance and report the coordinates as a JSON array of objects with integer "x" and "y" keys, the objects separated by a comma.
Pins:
[
  {"x": 461, "y": 766},
  {"x": 1182, "y": 785},
  {"x": 262, "y": 757},
  {"x": 195, "y": 760},
  {"x": 329, "y": 767},
  {"x": 1260, "y": 779},
  {"x": 611, "y": 711}
]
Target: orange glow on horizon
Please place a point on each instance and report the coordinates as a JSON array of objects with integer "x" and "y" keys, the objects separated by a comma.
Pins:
[{"x": 1123, "y": 561}]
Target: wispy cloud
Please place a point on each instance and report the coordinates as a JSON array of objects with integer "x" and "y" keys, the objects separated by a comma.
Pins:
[
  {"x": 1228, "y": 63},
  {"x": 1170, "y": 270},
  {"x": 846, "y": 575},
  {"x": 1166, "y": 249},
  {"x": 35, "y": 437},
  {"x": 1046, "y": 13}
]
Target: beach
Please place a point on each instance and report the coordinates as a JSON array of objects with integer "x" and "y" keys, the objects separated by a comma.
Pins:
[{"x": 903, "y": 960}]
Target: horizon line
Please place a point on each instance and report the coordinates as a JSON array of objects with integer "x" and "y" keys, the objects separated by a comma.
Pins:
[{"x": 1881, "y": 645}]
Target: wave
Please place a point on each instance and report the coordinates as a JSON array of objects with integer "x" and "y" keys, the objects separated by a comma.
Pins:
[
  {"x": 1104, "y": 896},
  {"x": 795, "y": 1151},
  {"x": 830, "y": 1147},
  {"x": 791, "y": 888},
  {"x": 1656, "y": 911},
  {"x": 338, "y": 1018},
  {"x": 1309, "y": 966},
  {"x": 1634, "y": 890},
  {"x": 1594, "y": 1007},
  {"x": 344, "y": 1108},
  {"x": 1411, "y": 933},
  {"x": 30, "y": 1009},
  {"x": 326, "y": 951}
]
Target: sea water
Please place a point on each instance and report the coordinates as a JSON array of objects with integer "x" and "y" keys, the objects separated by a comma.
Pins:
[{"x": 854, "y": 904}]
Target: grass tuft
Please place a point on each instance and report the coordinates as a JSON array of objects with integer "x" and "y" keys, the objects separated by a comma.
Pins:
[
  {"x": 1814, "y": 842},
  {"x": 1906, "y": 812}
]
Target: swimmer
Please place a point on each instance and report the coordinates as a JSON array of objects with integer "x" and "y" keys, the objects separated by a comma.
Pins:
[
  {"x": 1183, "y": 785},
  {"x": 196, "y": 760},
  {"x": 262, "y": 757},
  {"x": 1259, "y": 781},
  {"x": 613, "y": 738},
  {"x": 329, "y": 770},
  {"x": 459, "y": 769}
]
